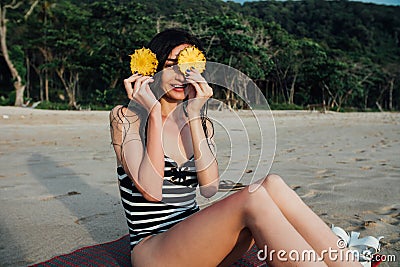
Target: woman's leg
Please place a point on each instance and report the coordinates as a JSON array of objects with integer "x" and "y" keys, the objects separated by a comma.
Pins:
[
  {"x": 207, "y": 237},
  {"x": 244, "y": 242},
  {"x": 303, "y": 219}
]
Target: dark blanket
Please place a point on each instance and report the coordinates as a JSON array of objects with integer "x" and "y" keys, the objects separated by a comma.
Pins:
[{"x": 117, "y": 253}]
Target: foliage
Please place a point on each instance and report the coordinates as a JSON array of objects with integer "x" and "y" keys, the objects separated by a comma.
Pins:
[
  {"x": 8, "y": 100},
  {"x": 52, "y": 105},
  {"x": 346, "y": 54},
  {"x": 17, "y": 56},
  {"x": 284, "y": 106}
]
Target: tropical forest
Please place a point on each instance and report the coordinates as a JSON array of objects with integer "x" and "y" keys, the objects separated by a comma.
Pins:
[{"x": 344, "y": 55}]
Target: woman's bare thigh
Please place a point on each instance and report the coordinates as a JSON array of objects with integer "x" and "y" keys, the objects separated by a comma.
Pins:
[{"x": 203, "y": 239}]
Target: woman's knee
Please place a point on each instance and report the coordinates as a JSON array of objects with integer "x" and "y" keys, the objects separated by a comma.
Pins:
[
  {"x": 263, "y": 190},
  {"x": 255, "y": 199},
  {"x": 273, "y": 182}
]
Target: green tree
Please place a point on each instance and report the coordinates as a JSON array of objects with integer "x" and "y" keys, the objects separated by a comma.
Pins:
[{"x": 14, "y": 57}]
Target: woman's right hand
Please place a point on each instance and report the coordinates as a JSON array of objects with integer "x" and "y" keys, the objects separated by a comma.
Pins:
[{"x": 140, "y": 92}]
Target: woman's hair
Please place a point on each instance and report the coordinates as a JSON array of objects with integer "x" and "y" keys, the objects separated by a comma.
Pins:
[{"x": 162, "y": 44}]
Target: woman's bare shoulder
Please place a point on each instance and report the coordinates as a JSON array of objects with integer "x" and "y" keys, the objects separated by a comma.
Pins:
[{"x": 122, "y": 114}]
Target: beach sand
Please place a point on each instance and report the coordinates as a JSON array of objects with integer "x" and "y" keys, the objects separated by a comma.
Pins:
[{"x": 58, "y": 185}]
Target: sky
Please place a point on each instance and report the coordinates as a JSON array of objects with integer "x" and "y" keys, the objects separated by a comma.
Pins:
[{"x": 380, "y": 2}]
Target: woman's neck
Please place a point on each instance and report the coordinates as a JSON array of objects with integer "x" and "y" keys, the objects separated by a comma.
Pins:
[{"x": 172, "y": 110}]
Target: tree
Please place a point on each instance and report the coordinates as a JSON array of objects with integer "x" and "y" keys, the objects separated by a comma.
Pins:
[
  {"x": 18, "y": 80},
  {"x": 64, "y": 48},
  {"x": 299, "y": 52},
  {"x": 117, "y": 29}
]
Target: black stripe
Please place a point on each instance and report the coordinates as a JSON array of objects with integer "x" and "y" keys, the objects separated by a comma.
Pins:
[
  {"x": 155, "y": 223},
  {"x": 175, "y": 176}
]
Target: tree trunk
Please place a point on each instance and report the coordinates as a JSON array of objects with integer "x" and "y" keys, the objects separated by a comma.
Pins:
[
  {"x": 39, "y": 74},
  {"x": 114, "y": 83},
  {"x": 69, "y": 86},
  {"x": 19, "y": 94},
  {"x": 291, "y": 96},
  {"x": 28, "y": 76},
  {"x": 46, "y": 85},
  {"x": 391, "y": 94},
  {"x": 366, "y": 100},
  {"x": 41, "y": 87},
  {"x": 18, "y": 85}
]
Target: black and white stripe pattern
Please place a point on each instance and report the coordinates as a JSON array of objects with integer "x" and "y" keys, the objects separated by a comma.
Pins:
[{"x": 146, "y": 218}]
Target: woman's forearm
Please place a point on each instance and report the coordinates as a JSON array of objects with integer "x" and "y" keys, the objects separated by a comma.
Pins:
[
  {"x": 206, "y": 164},
  {"x": 151, "y": 169}
]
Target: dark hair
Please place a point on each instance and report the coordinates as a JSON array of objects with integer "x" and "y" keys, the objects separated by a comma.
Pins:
[{"x": 162, "y": 44}]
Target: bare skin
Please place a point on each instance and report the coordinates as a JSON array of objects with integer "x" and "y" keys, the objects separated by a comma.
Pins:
[{"x": 218, "y": 235}]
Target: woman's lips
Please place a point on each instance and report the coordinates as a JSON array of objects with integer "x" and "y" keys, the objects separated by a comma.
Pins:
[{"x": 179, "y": 88}]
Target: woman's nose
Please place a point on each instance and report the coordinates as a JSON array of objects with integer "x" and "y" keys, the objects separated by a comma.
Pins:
[{"x": 179, "y": 75}]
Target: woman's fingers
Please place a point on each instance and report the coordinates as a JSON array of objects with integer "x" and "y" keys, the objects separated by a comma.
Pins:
[
  {"x": 136, "y": 80},
  {"x": 201, "y": 85},
  {"x": 196, "y": 87},
  {"x": 128, "y": 84},
  {"x": 145, "y": 88},
  {"x": 195, "y": 75},
  {"x": 138, "y": 84},
  {"x": 202, "y": 88},
  {"x": 143, "y": 94}
]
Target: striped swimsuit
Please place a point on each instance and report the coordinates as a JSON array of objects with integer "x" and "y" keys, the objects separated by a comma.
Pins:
[{"x": 146, "y": 218}]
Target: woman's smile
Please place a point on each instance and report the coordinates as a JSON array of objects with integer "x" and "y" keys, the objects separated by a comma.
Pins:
[{"x": 179, "y": 87}]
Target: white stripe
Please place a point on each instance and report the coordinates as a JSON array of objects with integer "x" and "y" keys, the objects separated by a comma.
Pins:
[
  {"x": 164, "y": 195},
  {"x": 182, "y": 168},
  {"x": 159, "y": 225},
  {"x": 122, "y": 176},
  {"x": 137, "y": 195},
  {"x": 186, "y": 203},
  {"x": 174, "y": 186},
  {"x": 169, "y": 160},
  {"x": 179, "y": 195},
  {"x": 133, "y": 213},
  {"x": 158, "y": 204},
  {"x": 127, "y": 190},
  {"x": 132, "y": 204},
  {"x": 156, "y": 219}
]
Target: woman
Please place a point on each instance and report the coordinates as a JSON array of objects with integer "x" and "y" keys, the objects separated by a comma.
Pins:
[{"x": 159, "y": 142}]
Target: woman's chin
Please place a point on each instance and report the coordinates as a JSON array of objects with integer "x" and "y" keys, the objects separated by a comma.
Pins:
[
  {"x": 176, "y": 94},
  {"x": 179, "y": 90}
]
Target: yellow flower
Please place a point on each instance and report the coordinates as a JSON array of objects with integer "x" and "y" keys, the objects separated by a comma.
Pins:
[
  {"x": 144, "y": 62},
  {"x": 191, "y": 56}
]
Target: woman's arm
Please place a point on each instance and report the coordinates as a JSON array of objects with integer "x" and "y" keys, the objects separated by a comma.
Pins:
[
  {"x": 143, "y": 164},
  {"x": 151, "y": 169},
  {"x": 206, "y": 163}
]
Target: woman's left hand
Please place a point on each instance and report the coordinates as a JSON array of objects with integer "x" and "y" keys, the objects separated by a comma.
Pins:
[{"x": 199, "y": 92}]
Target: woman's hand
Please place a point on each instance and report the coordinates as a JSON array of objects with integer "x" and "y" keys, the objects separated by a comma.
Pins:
[
  {"x": 199, "y": 92},
  {"x": 141, "y": 92}
]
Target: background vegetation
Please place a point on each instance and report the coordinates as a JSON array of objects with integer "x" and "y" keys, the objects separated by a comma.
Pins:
[{"x": 75, "y": 54}]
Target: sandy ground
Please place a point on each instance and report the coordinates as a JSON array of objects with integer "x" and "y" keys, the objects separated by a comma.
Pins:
[{"x": 58, "y": 186}]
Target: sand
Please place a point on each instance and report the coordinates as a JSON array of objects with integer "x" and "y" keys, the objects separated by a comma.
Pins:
[{"x": 58, "y": 186}]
